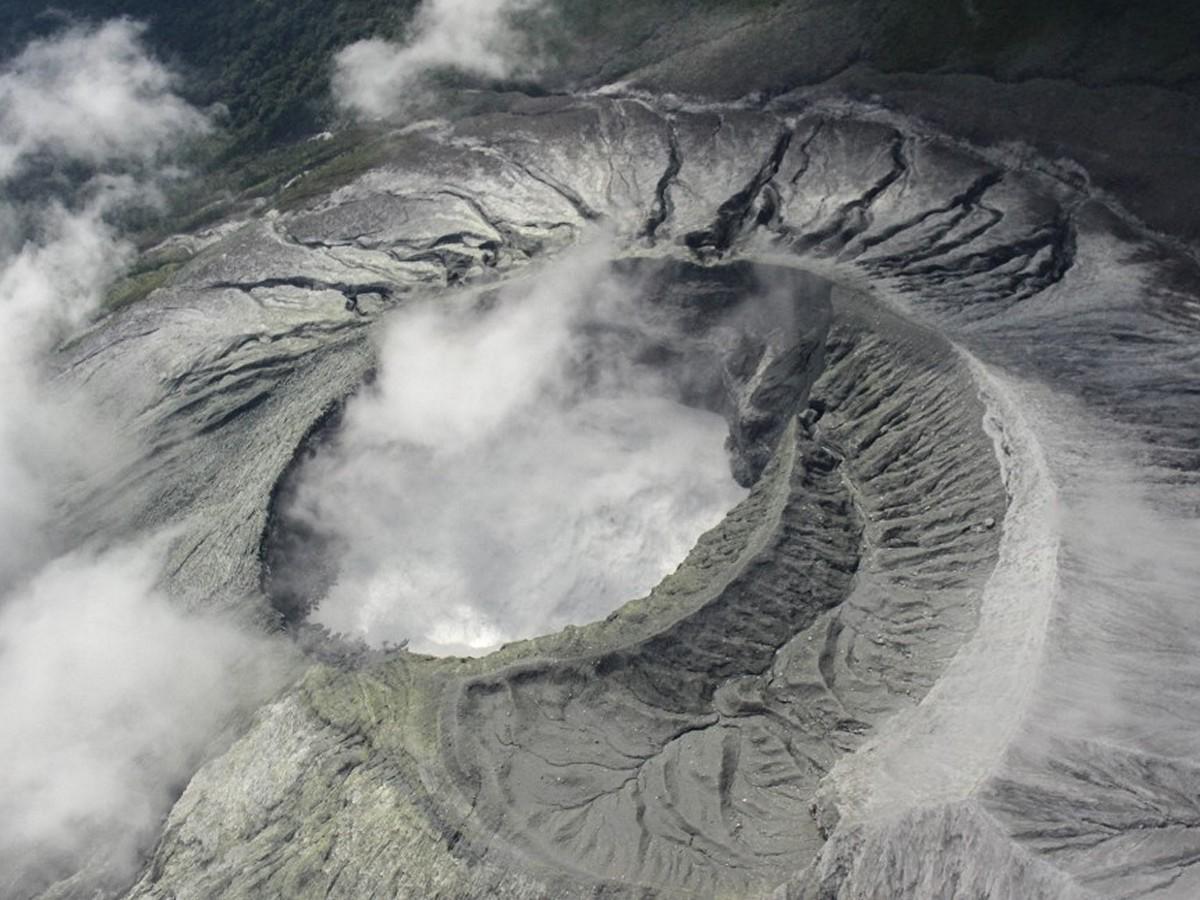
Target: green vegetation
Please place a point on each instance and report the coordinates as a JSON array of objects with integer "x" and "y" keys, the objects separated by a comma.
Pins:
[
  {"x": 1095, "y": 41},
  {"x": 347, "y": 156},
  {"x": 268, "y": 62},
  {"x": 135, "y": 287}
]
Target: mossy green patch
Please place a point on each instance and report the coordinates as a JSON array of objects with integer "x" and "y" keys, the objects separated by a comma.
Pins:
[
  {"x": 135, "y": 288},
  {"x": 351, "y": 154}
]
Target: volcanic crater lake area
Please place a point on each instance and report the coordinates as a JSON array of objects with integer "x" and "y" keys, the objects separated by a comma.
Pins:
[{"x": 707, "y": 482}]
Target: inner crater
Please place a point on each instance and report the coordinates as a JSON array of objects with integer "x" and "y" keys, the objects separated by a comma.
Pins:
[{"x": 535, "y": 455}]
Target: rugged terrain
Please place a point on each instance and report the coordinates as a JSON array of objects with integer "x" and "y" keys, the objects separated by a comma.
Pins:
[{"x": 945, "y": 648}]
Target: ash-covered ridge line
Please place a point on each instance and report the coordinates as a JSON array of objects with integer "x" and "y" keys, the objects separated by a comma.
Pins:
[
  {"x": 732, "y": 214},
  {"x": 853, "y": 218},
  {"x": 678, "y": 747}
]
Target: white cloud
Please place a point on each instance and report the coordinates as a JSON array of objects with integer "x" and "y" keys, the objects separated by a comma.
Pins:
[
  {"x": 108, "y": 697},
  {"x": 92, "y": 95},
  {"x": 49, "y": 284},
  {"x": 513, "y": 470},
  {"x": 375, "y": 78},
  {"x": 96, "y": 97}
]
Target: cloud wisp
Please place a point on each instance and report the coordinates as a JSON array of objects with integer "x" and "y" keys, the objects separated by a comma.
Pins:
[
  {"x": 376, "y": 78},
  {"x": 514, "y": 469},
  {"x": 110, "y": 699},
  {"x": 110, "y": 695},
  {"x": 92, "y": 95},
  {"x": 91, "y": 98}
]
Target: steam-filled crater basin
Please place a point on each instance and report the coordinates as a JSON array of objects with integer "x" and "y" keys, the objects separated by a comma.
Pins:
[
  {"x": 532, "y": 456},
  {"x": 850, "y": 497}
]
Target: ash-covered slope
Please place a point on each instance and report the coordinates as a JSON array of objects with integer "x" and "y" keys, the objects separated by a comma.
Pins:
[{"x": 946, "y": 646}]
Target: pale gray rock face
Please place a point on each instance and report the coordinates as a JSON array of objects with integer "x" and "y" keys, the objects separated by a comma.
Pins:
[{"x": 947, "y": 646}]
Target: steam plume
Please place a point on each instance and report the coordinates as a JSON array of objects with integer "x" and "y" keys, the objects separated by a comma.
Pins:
[
  {"x": 515, "y": 469},
  {"x": 375, "y": 78}
]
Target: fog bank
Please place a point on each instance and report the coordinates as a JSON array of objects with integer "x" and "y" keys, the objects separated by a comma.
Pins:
[{"x": 110, "y": 695}]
